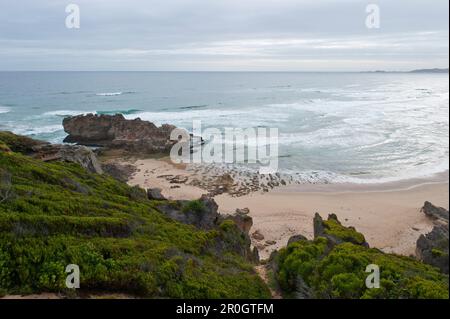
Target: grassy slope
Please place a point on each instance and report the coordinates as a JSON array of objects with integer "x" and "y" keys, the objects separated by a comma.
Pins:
[{"x": 60, "y": 214}]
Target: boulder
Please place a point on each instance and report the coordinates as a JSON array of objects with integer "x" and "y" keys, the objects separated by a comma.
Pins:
[
  {"x": 81, "y": 155},
  {"x": 242, "y": 220},
  {"x": 258, "y": 236},
  {"x": 116, "y": 132},
  {"x": 434, "y": 212},
  {"x": 155, "y": 194}
]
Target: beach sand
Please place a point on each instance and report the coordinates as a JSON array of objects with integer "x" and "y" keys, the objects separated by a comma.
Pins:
[{"x": 388, "y": 215}]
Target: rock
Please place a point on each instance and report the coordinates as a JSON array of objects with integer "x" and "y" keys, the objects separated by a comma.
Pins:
[
  {"x": 335, "y": 232},
  {"x": 243, "y": 211},
  {"x": 178, "y": 179},
  {"x": 116, "y": 132},
  {"x": 271, "y": 242},
  {"x": 120, "y": 172},
  {"x": 258, "y": 236},
  {"x": 81, "y": 155},
  {"x": 255, "y": 256},
  {"x": 242, "y": 220},
  {"x": 155, "y": 194},
  {"x": 437, "y": 213},
  {"x": 205, "y": 218},
  {"x": 296, "y": 238},
  {"x": 432, "y": 248}
]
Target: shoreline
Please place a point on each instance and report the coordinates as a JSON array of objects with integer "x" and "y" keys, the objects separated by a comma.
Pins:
[{"x": 387, "y": 214}]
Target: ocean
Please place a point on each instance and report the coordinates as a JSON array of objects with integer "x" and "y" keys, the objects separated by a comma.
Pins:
[{"x": 334, "y": 127}]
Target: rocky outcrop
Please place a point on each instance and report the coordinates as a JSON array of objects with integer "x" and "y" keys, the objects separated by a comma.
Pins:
[
  {"x": 116, "y": 132},
  {"x": 201, "y": 213},
  {"x": 242, "y": 220},
  {"x": 335, "y": 232},
  {"x": 69, "y": 153},
  {"x": 436, "y": 213},
  {"x": 433, "y": 247},
  {"x": 155, "y": 194},
  {"x": 50, "y": 152}
]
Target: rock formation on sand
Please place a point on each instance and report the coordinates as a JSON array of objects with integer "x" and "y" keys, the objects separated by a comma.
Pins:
[
  {"x": 432, "y": 248},
  {"x": 335, "y": 232},
  {"x": 116, "y": 132}
]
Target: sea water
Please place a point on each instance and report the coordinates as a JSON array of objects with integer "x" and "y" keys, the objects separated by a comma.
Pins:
[{"x": 333, "y": 127}]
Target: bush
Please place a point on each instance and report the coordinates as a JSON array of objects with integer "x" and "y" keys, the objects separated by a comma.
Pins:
[{"x": 339, "y": 272}]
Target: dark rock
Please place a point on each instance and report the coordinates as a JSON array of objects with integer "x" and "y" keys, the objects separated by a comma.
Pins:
[
  {"x": 155, "y": 194},
  {"x": 255, "y": 256},
  {"x": 435, "y": 212},
  {"x": 432, "y": 248},
  {"x": 242, "y": 220},
  {"x": 257, "y": 236},
  {"x": 116, "y": 132},
  {"x": 207, "y": 218}
]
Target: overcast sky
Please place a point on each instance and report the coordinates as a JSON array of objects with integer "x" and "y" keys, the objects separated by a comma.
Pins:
[{"x": 223, "y": 35}]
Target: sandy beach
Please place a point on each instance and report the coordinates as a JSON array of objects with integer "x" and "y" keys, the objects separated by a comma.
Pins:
[{"x": 387, "y": 214}]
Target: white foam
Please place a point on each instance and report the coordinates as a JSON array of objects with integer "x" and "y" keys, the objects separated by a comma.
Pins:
[
  {"x": 35, "y": 130},
  {"x": 109, "y": 94},
  {"x": 4, "y": 109},
  {"x": 64, "y": 113}
]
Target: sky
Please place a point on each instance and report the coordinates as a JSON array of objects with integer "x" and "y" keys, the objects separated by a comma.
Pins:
[{"x": 224, "y": 35}]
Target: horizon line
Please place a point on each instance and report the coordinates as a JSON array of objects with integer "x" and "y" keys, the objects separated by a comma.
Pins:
[{"x": 240, "y": 71}]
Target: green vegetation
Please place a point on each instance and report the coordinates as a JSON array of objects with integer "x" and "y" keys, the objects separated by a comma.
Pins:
[
  {"x": 339, "y": 272},
  {"x": 194, "y": 206},
  {"x": 57, "y": 214},
  {"x": 348, "y": 234}
]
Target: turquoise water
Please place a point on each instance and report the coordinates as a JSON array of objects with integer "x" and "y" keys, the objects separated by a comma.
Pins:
[{"x": 334, "y": 127}]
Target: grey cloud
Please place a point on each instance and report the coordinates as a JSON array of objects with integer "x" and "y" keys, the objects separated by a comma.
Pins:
[{"x": 223, "y": 35}]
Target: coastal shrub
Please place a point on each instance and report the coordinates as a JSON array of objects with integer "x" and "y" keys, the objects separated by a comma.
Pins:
[
  {"x": 194, "y": 206},
  {"x": 347, "y": 234},
  {"x": 339, "y": 272},
  {"x": 61, "y": 214}
]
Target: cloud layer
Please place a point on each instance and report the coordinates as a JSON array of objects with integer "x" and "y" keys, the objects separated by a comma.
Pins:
[{"x": 226, "y": 35}]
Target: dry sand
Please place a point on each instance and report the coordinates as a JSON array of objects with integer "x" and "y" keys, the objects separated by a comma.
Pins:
[{"x": 388, "y": 215}]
